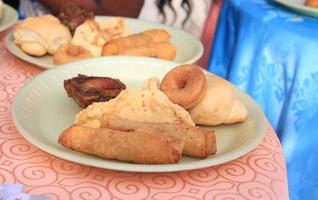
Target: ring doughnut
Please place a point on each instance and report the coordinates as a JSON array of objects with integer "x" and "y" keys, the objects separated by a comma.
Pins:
[{"x": 184, "y": 85}]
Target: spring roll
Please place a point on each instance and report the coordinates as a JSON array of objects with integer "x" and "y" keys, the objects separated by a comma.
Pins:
[
  {"x": 145, "y": 38},
  {"x": 198, "y": 142},
  {"x": 162, "y": 50},
  {"x": 134, "y": 146}
]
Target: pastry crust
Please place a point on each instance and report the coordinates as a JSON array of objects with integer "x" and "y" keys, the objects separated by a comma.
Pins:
[
  {"x": 150, "y": 43},
  {"x": 198, "y": 142},
  {"x": 140, "y": 146},
  {"x": 69, "y": 53}
]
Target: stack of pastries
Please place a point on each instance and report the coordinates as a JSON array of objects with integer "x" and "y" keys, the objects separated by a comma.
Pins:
[
  {"x": 76, "y": 35},
  {"x": 153, "y": 125}
]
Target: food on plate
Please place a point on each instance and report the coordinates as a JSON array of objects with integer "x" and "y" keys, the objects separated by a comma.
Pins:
[
  {"x": 80, "y": 35},
  {"x": 198, "y": 142},
  {"x": 1, "y": 8},
  {"x": 73, "y": 15},
  {"x": 185, "y": 85},
  {"x": 37, "y": 36},
  {"x": 93, "y": 34},
  {"x": 219, "y": 105},
  {"x": 154, "y": 43},
  {"x": 312, "y": 3},
  {"x": 163, "y": 50},
  {"x": 69, "y": 53},
  {"x": 138, "y": 146},
  {"x": 210, "y": 100},
  {"x": 88, "y": 89},
  {"x": 148, "y": 104}
]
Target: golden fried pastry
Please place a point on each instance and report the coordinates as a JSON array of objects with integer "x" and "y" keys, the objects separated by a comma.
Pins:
[
  {"x": 151, "y": 43},
  {"x": 69, "y": 53},
  {"x": 139, "y": 146},
  {"x": 185, "y": 85},
  {"x": 198, "y": 142}
]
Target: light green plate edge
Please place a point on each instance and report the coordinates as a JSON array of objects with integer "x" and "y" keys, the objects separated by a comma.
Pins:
[
  {"x": 10, "y": 16},
  {"x": 299, "y": 8}
]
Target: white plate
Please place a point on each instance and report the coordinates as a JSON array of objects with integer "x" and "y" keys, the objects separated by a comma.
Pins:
[
  {"x": 41, "y": 110},
  {"x": 299, "y": 6},
  {"x": 9, "y": 17},
  {"x": 189, "y": 48}
]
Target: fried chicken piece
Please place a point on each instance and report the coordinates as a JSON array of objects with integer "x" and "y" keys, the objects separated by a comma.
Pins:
[
  {"x": 86, "y": 90},
  {"x": 72, "y": 16}
]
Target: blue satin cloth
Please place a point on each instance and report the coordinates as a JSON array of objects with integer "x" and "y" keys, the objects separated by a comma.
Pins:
[{"x": 272, "y": 53}]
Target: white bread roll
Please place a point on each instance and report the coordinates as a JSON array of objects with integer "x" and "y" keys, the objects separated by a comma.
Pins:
[
  {"x": 219, "y": 105},
  {"x": 38, "y": 36}
]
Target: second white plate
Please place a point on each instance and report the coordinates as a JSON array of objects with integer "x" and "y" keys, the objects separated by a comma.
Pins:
[
  {"x": 9, "y": 17},
  {"x": 189, "y": 48}
]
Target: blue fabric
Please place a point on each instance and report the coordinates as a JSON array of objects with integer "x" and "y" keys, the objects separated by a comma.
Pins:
[{"x": 272, "y": 54}]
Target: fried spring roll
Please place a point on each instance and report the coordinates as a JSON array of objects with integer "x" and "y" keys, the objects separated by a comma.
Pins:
[
  {"x": 134, "y": 146},
  {"x": 115, "y": 46},
  {"x": 198, "y": 142},
  {"x": 162, "y": 50}
]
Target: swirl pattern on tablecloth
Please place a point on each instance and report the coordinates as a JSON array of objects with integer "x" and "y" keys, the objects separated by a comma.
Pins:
[{"x": 260, "y": 174}]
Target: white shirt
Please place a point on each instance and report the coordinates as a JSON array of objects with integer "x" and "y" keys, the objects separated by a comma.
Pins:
[{"x": 195, "y": 23}]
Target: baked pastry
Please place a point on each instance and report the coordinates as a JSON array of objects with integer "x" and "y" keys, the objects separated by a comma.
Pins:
[
  {"x": 312, "y": 3},
  {"x": 38, "y": 36},
  {"x": 148, "y": 104},
  {"x": 69, "y": 53},
  {"x": 219, "y": 104},
  {"x": 93, "y": 34}
]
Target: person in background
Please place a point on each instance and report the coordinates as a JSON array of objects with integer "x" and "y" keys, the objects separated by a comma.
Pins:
[{"x": 188, "y": 15}]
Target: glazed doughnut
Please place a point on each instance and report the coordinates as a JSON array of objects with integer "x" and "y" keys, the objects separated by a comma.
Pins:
[
  {"x": 69, "y": 53},
  {"x": 184, "y": 85}
]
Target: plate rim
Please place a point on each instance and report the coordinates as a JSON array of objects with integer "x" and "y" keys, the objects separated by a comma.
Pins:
[
  {"x": 33, "y": 60},
  {"x": 8, "y": 8},
  {"x": 300, "y": 8},
  {"x": 131, "y": 167}
]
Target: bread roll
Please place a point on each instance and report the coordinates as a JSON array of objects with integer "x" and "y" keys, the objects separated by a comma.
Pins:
[
  {"x": 219, "y": 105},
  {"x": 38, "y": 36}
]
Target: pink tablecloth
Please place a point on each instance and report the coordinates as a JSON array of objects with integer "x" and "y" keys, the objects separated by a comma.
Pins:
[{"x": 261, "y": 174}]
